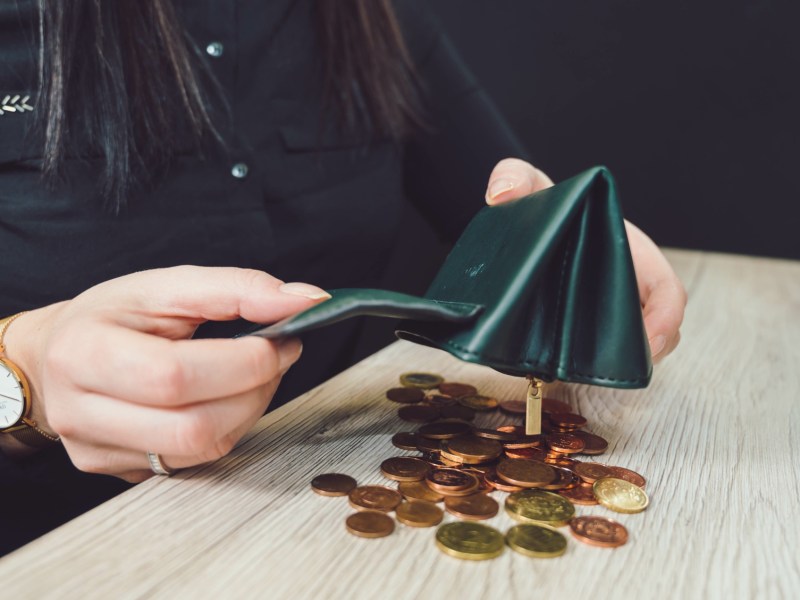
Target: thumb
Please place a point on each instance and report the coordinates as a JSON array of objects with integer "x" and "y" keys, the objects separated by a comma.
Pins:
[{"x": 513, "y": 178}]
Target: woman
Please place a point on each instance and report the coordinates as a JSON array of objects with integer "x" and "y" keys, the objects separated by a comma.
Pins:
[{"x": 244, "y": 138}]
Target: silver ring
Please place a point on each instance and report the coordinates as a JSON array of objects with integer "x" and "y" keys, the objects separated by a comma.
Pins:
[{"x": 157, "y": 465}]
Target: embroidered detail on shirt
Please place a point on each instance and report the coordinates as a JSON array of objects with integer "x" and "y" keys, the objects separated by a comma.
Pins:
[{"x": 15, "y": 104}]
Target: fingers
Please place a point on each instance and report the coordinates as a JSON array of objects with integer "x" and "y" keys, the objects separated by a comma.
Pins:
[{"x": 513, "y": 178}]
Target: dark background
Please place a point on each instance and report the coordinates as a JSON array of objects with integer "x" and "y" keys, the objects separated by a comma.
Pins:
[{"x": 692, "y": 104}]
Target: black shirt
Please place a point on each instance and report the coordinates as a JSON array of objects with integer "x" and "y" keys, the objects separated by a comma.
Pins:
[{"x": 280, "y": 196}]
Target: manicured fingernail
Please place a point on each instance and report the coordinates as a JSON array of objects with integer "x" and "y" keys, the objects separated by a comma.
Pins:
[
  {"x": 304, "y": 289},
  {"x": 497, "y": 188},
  {"x": 288, "y": 353},
  {"x": 657, "y": 345}
]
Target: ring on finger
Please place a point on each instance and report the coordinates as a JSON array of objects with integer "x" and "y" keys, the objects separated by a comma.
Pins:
[{"x": 157, "y": 465}]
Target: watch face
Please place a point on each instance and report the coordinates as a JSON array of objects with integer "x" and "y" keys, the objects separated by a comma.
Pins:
[{"x": 12, "y": 399}]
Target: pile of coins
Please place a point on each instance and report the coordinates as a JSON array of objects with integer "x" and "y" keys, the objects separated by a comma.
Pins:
[{"x": 460, "y": 464}]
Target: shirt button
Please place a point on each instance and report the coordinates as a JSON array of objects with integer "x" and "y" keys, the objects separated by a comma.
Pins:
[
  {"x": 240, "y": 170},
  {"x": 215, "y": 49}
]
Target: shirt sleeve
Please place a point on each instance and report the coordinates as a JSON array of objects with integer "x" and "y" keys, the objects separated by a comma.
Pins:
[{"x": 448, "y": 161}]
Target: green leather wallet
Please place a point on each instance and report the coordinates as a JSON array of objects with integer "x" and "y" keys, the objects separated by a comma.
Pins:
[{"x": 541, "y": 286}]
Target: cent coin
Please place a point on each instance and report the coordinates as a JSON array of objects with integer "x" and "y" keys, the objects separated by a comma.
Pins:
[
  {"x": 525, "y": 473},
  {"x": 476, "y": 507},
  {"x": 539, "y": 507},
  {"x": 599, "y": 531},
  {"x": 369, "y": 524},
  {"x": 537, "y": 541},
  {"x": 425, "y": 381},
  {"x": 405, "y": 468},
  {"x": 374, "y": 497},
  {"x": 627, "y": 475},
  {"x": 419, "y": 514},
  {"x": 333, "y": 484},
  {"x": 620, "y": 495},
  {"x": 418, "y": 490},
  {"x": 405, "y": 395},
  {"x": 469, "y": 541},
  {"x": 457, "y": 390}
]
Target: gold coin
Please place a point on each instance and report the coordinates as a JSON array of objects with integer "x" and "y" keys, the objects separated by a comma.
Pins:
[
  {"x": 538, "y": 507},
  {"x": 424, "y": 381},
  {"x": 419, "y": 514},
  {"x": 369, "y": 524},
  {"x": 418, "y": 490},
  {"x": 469, "y": 541},
  {"x": 478, "y": 402},
  {"x": 537, "y": 541},
  {"x": 620, "y": 495}
]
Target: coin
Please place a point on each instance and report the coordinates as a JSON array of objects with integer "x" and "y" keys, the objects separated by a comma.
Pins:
[
  {"x": 405, "y": 395},
  {"x": 620, "y": 495},
  {"x": 405, "y": 440},
  {"x": 514, "y": 407},
  {"x": 425, "y": 381},
  {"x": 537, "y": 541},
  {"x": 525, "y": 473},
  {"x": 564, "y": 443},
  {"x": 428, "y": 445},
  {"x": 473, "y": 449},
  {"x": 469, "y": 541},
  {"x": 457, "y": 411},
  {"x": 419, "y": 514},
  {"x": 591, "y": 472},
  {"x": 333, "y": 484},
  {"x": 560, "y": 461},
  {"x": 580, "y": 494},
  {"x": 478, "y": 402},
  {"x": 594, "y": 443},
  {"x": 476, "y": 507},
  {"x": 374, "y": 497},
  {"x": 438, "y": 400},
  {"x": 493, "y": 434},
  {"x": 564, "y": 479},
  {"x": 599, "y": 531},
  {"x": 539, "y": 507},
  {"x": 515, "y": 429},
  {"x": 418, "y": 413},
  {"x": 552, "y": 406},
  {"x": 500, "y": 484},
  {"x": 528, "y": 453},
  {"x": 418, "y": 490},
  {"x": 443, "y": 430},
  {"x": 452, "y": 460},
  {"x": 456, "y": 390},
  {"x": 526, "y": 441},
  {"x": 405, "y": 468},
  {"x": 627, "y": 475},
  {"x": 370, "y": 524},
  {"x": 568, "y": 420},
  {"x": 452, "y": 482}
]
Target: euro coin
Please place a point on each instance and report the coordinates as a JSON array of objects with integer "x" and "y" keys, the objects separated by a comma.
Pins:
[
  {"x": 405, "y": 395},
  {"x": 591, "y": 472},
  {"x": 418, "y": 490},
  {"x": 580, "y": 494},
  {"x": 598, "y": 531},
  {"x": 476, "y": 507},
  {"x": 525, "y": 473},
  {"x": 478, "y": 402},
  {"x": 469, "y": 541},
  {"x": 374, "y": 497},
  {"x": 405, "y": 468},
  {"x": 620, "y": 495},
  {"x": 537, "y": 541},
  {"x": 419, "y": 514},
  {"x": 333, "y": 484},
  {"x": 538, "y": 507},
  {"x": 424, "y": 381},
  {"x": 369, "y": 524},
  {"x": 457, "y": 390},
  {"x": 627, "y": 475}
]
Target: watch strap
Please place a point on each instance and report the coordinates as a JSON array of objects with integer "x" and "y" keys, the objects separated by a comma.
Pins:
[{"x": 33, "y": 436}]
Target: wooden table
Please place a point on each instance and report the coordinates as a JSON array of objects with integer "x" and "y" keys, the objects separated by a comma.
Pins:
[{"x": 717, "y": 435}]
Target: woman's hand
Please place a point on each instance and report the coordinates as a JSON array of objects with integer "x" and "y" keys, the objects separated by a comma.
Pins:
[
  {"x": 115, "y": 376},
  {"x": 661, "y": 292}
]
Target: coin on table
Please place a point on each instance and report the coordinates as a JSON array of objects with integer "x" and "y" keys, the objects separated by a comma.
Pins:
[
  {"x": 418, "y": 413},
  {"x": 444, "y": 430},
  {"x": 599, "y": 531},
  {"x": 620, "y": 495},
  {"x": 537, "y": 541},
  {"x": 565, "y": 443},
  {"x": 439, "y": 400},
  {"x": 565, "y": 479},
  {"x": 374, "y": 497},
  {"x": 473, "y": 449},
  {"x": 527, "y": 453},
  {"x": 568, "y": 420},
  {"x": 591, "y": 472},
  {"x": 594, "y": 444},
  {"x": 493, "y": 434},
  {"x": 552, "y": 406},
  {"x": 469, "y": 541},
  {"x": 405, "y": 440},
  {"x": 452, "y": 482},
  {"x": 456, "y": 411},
  {"x": 500, "y": 484},
  {"x": 580, "y": 494},
  {"x": 526, "y": 441},
  {"x": 418, "y": 490},
  {"x": 525, "y": 473},
  {"x": 424, "y": 381},
  {"x": 405, "y": 468},
  {"x": 476, "y": 507},
  {"x": 419, "y": 514},
  {"x": 627, "y": 475},
  {"x": 333, "y": 484},
  {"x": 514, "y": 407},
  {"x": 370, "y": 524},
  {"x": 457, "y": 390},
  {"x": 405, "y": 395},
  {"x": 539, "y": 508},
  {"x": 478, "y": 402}
]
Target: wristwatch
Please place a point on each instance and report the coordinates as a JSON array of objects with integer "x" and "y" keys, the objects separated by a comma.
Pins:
[{"x": 15, "y": 400}]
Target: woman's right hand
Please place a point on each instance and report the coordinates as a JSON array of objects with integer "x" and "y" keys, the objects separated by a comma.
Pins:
[{"x": 114, "y": 373}]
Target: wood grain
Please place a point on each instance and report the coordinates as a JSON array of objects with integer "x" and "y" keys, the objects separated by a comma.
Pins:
[{"x": 716, "y": 435}]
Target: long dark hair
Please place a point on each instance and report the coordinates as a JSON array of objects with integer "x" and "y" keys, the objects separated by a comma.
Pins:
[{"x": 102, "y": 62}]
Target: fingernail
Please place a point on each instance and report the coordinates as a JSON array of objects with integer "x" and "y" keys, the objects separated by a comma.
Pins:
[
  {"x": 304, "y": 289},
  {"x": 657, "y": 345},
  {"x": 498, "y": 187},
  {"x": 288, "y": 353}
]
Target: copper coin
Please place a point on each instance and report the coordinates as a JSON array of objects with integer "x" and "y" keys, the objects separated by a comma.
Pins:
[
  {"x": 444, "y": 430},
  {"x": 564, "y": 443},
  {"x": 446, "y": 481},
  {"x": 418, "y": 490},
  {"x": 418, "y": 413},
  {"x": 580, "y": 494},
  {"x": 552, "y": 406},
  {"x": 478, "y": 402},
  {"x": 473, "y": 449},
  {"x": 405, "y": 395},
  {"x": 568, "y": 420},
  {"x": 514, "y": 407},
  {"x": 628, "y": 475},
  {"x": 456, "y": 390},
  {"x": 594, "y": 443},
  {"x": 456, "y": 411},
  {"x": 374, "y": 497},
  {"x": 483, "y": 485},
  {"x": 494, "y": 434},
  {"x": 405, "y": 468},
  {"x": 428, "y": 445},
  {"x": 526, "y": 441},
  {"x": 525, "y": 473},
  {"x": 424, "y": 381},
  {"x": 451, "y": 460},
  {"x": 515, "y": 429},
  {"x": 500, "y": 484},
  {"x": 591, "y": 472},
  {"x": 369, "y": 524},
  {"x": 564, "y": 479},
  {"x": 476, "y": 507},
  {"x": 439, "y": 400},
  {"x": 405, "y": 440},
  {"x": 419, "y": 514},
  {"x": 333, "y": 484},
  {"x": 561, "y": 461},
  {"x": 529, "y": 453},
  {"x": 598, "y": 531}
]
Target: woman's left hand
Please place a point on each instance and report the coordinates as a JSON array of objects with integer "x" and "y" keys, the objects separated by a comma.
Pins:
[{"x": 662, "y": 294}]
